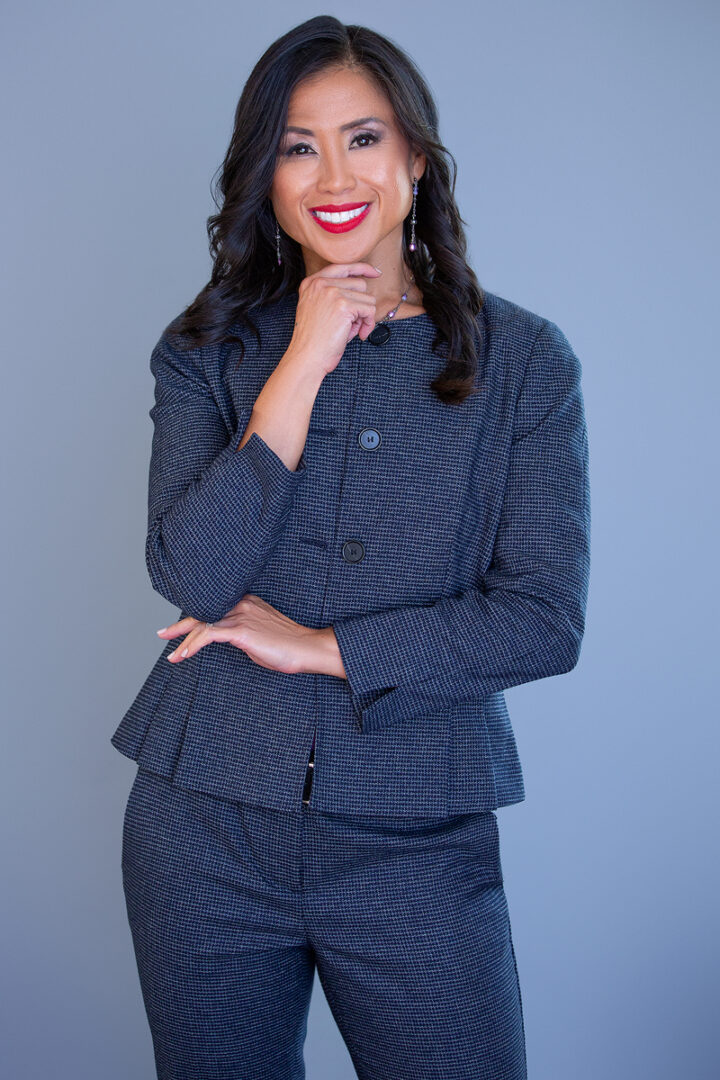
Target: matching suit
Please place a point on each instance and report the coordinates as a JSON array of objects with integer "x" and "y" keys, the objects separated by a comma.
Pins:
[{"x": 279, "y": 823}]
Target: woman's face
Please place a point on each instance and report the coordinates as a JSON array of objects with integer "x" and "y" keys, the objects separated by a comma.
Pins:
[{"x": 335, "y": 160}]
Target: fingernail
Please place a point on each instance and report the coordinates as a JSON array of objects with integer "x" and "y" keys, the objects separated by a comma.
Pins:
[
  {"x": 162, "y": 631},
  {"x": 184, "y": 652},
  {"x": 378, "y": 269},
  {"x": 171, "y": 654}
]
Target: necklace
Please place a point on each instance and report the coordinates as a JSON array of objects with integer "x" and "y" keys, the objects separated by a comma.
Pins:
[{"x": 381, "y": 331}]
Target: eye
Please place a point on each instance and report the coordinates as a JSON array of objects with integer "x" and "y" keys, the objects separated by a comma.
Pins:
[
  {"x": 368, "y": 135},
  {"x": 294, "y": 151}
]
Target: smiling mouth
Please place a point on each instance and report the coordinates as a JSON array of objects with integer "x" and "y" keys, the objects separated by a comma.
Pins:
[{"x": 342, "y": 220}]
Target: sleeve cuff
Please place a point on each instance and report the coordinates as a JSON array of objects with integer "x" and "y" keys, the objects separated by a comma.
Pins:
[
  {"x": 208, "y": 546},
  {"x": 271, "y": 468},
  {"x": 268, "y": 464},
  {"x": 361, "y": 697},
  {"x": 277, "y": 482},
  {"x": 382, "y": 648}
]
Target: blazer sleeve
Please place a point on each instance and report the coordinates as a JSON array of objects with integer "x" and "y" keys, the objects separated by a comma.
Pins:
[
  {"x": 526, "y": 618},
  {"x": 214, "y": 512}
]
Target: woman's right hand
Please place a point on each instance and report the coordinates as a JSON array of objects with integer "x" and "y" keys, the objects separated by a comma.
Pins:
[{"x": 333, "y": 306}]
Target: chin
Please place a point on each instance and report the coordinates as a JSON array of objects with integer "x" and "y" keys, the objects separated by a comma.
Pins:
[{"x": 337, "y": 255}]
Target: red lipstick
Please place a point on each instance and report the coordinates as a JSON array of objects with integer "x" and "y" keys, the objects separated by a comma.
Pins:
[
  {"x": 340, "y": 226},
  {"x": 339, "y": 208}
]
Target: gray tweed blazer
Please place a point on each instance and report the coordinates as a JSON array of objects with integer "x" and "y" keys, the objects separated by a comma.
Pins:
[{"x": 448, "y": 546}]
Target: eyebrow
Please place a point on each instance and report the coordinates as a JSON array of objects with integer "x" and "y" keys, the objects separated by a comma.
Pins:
[{"x": 344, "y": 127}]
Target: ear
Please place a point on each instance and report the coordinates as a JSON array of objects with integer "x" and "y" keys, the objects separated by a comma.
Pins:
[{"x": 418, "y": 163}]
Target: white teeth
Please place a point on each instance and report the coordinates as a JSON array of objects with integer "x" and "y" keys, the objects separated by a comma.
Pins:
[{"x": 344, "y": 215}]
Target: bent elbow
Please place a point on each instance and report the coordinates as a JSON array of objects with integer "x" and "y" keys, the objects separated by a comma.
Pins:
[
  {"x": 569, "y": 649},
  {"x": 181, "y": 594}
]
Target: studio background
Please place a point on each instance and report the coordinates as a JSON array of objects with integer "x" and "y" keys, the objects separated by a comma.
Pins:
[{"x": 588, "y": 179}]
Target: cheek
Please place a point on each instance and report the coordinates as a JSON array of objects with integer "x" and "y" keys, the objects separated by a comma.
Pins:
[
  {"x": 400, "y": 186},
  {"x": 283, "y": 207},
  {"x": 283, "y": 191},
  {"x": 397, "y": 195}
]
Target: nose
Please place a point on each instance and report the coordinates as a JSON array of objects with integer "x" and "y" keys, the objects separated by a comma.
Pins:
[{"x": 335, "y": 174}]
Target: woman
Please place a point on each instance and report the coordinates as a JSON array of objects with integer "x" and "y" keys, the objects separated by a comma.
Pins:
[{"x": 369, "y": 501}]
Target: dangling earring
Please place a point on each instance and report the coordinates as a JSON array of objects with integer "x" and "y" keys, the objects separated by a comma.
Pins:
[
  {"x": 277, "y": 241},
  {"x": 412, "y": 220}
]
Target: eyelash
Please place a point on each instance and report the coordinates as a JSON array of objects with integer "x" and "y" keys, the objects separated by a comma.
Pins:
[{"x": 360, "y": 135}]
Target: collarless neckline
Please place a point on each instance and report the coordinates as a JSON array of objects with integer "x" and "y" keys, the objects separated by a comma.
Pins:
[
  {"x": 406, "y": 318},
  {"x": 292, "y": 297}
]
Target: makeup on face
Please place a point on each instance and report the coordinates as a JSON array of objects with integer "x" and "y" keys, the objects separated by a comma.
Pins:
[
  {"x": 326, "y": 154},
  {"x": 341, "y": 217}
]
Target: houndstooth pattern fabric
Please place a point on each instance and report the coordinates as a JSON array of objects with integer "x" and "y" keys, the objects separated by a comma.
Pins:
[
  {"x": 233, "y": 907},
  {"x": 448, "y": 546}
]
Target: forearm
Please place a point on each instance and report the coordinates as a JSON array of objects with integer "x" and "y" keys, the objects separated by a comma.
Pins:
[
  {"x": 281, "y": 414},
  {"x": 523, "y": 618},
  {"x": 215, "y": 510}
]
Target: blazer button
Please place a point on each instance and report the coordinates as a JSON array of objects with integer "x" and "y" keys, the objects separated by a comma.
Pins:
[
  {"x": 369, "y": 438},
  {"x": 352, "y": 551}
]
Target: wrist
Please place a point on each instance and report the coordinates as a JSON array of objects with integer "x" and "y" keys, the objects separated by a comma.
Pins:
[
  {"x": 329, "y": 660},
  {"x": 296, "y": 367}
]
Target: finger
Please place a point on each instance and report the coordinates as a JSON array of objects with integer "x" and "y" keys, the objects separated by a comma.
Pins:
[
  {"x": 356, "y": 296},
  {"x": 177, "y": 628},
  {"x": 362, "y": 308},
  {"x": 357, "y": 284},
  {"x": 365, "y": 318},
  {"x": 201, "y": 635},
  {"x": 336, "y": 270},
  {"x": 235, "y": 635},
  {"x": 367, "y": 324}
]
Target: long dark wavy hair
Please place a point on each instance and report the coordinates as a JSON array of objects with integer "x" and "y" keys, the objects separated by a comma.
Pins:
[{"x": 245, "y": 271}]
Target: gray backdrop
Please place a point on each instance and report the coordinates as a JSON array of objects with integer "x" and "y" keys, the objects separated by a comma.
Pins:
[{"x": 588, "y": 178}]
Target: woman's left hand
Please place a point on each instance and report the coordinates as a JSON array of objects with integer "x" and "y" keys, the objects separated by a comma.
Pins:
[{"x": 269, "y": 638}]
